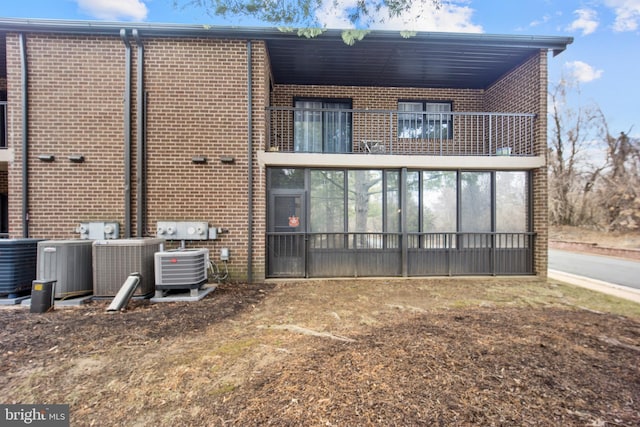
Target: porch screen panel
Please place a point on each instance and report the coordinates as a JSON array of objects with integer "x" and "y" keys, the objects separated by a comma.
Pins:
[
  {"x": 413, "y": 207},
  {"x": 439, "y": 213},
  {"x": 512, "y": 202},
  {"x": 514, "y": 245},
  {"x": 392, "y": 207},
  {"x": 365, "y": 207},
  {"x": 286, "y": 178},
  {"x": 327, "y": 201},
  {"x": 512, "y": 208},
  {"x": 308, "y": 127},
  {"x": 475, "y": 209}
]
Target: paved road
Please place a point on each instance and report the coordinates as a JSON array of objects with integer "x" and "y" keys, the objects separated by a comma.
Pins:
[{"x": 608, "y": 269}]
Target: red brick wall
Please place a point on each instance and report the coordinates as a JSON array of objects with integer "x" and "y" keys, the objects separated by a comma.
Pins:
[
  {"x": 196, "y": 106},
  {"x": 525, "y": 90},
  {"x": 384, "y": 98},
  {"x": 261, "y": 82},
  {"x": 75, "y": 107}
]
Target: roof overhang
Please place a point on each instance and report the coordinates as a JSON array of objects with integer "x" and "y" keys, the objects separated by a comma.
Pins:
[
  {"x": 437, "y": 60},
  {"x": 427, "y": 59}
]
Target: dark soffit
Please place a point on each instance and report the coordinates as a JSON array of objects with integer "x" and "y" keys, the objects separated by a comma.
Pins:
[
  {"x": 463, "y": 62},
  {"x": 383, "y": 58}
]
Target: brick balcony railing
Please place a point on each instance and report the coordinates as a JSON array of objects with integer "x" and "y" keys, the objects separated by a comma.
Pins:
[{"x": 397, "y": 132}]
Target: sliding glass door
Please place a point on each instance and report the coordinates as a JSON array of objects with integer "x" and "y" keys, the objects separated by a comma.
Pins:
[{"x": 322, "y": 126}]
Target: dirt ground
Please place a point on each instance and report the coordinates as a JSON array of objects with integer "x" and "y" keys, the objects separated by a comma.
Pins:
[{"x": 509, "y": 351}]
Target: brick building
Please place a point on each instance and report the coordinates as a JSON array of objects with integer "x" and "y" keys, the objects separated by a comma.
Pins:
[{"x": 393, "y": 157}]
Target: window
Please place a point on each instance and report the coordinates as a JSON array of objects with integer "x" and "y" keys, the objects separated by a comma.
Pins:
[
  {"x": 3, "y": 119},
  {"x": 321, "y": 126},
  {"x": 425, "y": 120}
]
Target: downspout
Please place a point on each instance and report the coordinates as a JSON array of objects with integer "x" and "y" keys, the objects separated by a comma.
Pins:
[
  {"x": 25, "y": 137},
  {"x": 127, "y": 134},
  {"x": 140, "y": 142},
  {"x": 250, "y": 164}
]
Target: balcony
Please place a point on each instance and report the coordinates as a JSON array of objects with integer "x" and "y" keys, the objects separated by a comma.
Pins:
[{"x": 389, "y": 132}]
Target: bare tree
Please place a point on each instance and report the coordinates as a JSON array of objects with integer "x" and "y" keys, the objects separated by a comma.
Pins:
[
  {"x": 572, "y": 176},
  {"x": 584, "y": 189},
  {"x": 619, "y": 194}
]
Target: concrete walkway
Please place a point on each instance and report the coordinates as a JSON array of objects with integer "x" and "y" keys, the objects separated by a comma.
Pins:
[{"x": 596, "y": 285}]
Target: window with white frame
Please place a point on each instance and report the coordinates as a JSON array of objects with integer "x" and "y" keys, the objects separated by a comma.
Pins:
[{"x": 425, "y": 120}]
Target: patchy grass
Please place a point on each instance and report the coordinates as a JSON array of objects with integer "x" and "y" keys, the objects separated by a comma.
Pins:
[{"x": 591, "y": 300}]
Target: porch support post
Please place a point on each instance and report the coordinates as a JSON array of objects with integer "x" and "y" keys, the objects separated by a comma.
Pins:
[
  {"x": 494, "y": 236},
  {"x": 403, "y": 222}
]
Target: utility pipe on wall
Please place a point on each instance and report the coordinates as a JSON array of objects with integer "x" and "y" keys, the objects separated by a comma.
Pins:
[
  {"x": 250, "y": 164},
  {"x": 127, "y": 134},
  {"x": 25, "y": 137},
  {"x": 140, "y": 140}
]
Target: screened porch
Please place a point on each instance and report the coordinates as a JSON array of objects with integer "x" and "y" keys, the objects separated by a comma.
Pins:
[{"x": 390, "y": 222}]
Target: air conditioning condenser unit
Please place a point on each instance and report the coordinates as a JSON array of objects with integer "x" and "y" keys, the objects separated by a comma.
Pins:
[
  {"x": 69, "y": 263},
  {"x": 115, "y": 260},
  {"x": 181, "y": 269}
]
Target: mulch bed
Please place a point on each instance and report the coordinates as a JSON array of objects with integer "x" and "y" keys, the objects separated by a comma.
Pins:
[
  {"x": 468, "y": 367},
  {"x": 490, "y": 366}
]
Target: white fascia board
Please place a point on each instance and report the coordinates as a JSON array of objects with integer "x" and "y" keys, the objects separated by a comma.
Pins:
[{"x": 378, "y": 161}]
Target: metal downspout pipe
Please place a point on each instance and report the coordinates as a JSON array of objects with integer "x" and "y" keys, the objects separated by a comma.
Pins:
[
  {"x": 140, "y": 140},
  {"x": 25, "y": 137},
  {"x": 250, "y": 164},
  {"x": 127, "y": 134}
]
